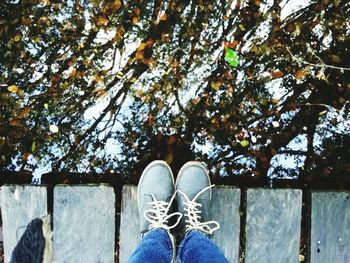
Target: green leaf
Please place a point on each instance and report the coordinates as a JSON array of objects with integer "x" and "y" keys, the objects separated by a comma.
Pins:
[
  {"x": 244, "y": 143},
  {"x": 231, "y": 57}
]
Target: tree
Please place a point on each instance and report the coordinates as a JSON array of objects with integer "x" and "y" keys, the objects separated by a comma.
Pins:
[{"x": 152, "y": 79}]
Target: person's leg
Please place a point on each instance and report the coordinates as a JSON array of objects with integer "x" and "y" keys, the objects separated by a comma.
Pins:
[
  {"x": 194, "y": 195},
  {"x": 197, "y": 247},
  {"x": 156, "y": 246},
  {"x": 155, "y": 194}
]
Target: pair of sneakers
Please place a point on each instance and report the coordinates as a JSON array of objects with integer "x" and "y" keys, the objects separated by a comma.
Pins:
[{"x": 158, "y": 194}]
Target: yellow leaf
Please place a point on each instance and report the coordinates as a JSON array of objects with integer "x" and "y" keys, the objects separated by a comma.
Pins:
[
  {"x": 241, "y": 27},
  {"x": 117, "y": 4},
  {"x": 215, "y": 84},
  {"x": 135, "y": 20},
  {"x": 195, "y": 101},
  {"x": 297, "y": 30},
  {"x": 13, "y": 88},
  {"x": 26, "y": 21},
  {"x": 321, "y": 76},
  {"x": 73, "y": 73},
  {"x": 80, "y": 46},
  {"x": 177, "y": 120},
  {"x": 169, "y": 158},
  {"x": 244, "y": 143},
  {"x": 17, "y": 37},
  {"x": 336, "y": 58},
  {"x": 275, "y": 100},
  {"x": 149, "y": 62},
  {"x": 257, "y": 2},
  {"x": 45, "y": 2},
  {"x": 349, "y": 86},
  {"x": 16, "y": 123},
  {"x": 20, "y": 93},
  {"x": 277, "y": 74},
  {"x": 74, "y": 59},
  {"x": 33, "y": 146},
  {"x": 101, "y": 93},
  {"x": 102, "y": 21},
  {"x": 160, "y": 104},
  {"x": 80, "y": 74},
  {"x": 98, "y": 78},
  {"x": 301, "y": 73},
  {"x": 342, "y": 100},
  {"x": 139, "y": 55},
  {"x": 119, "y": 34},
  {"x": 163, "y": 17},
  {"x": 26, "y": 156},
  {"x": 46, "y": 106},
  {"x": 133, "y": 80},
  {"x": 23, "y": 113},
  {"x": 65, "y": 85},
  {"x": 150, "y": 42},
  {"x": 230, "y": 90},
  {"x": 37, "y": 39},
  {"x": 137, "y": 11},
  {"x": 142, "y": 47},
  {"x": 120, "y": 75},
  {"x": 139, "y": 93}
]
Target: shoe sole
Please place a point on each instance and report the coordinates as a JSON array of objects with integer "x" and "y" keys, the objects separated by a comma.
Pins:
[{"x": 157, "y": 162}]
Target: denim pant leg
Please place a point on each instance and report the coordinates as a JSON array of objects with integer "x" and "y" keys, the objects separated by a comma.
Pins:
[
  {"x": 155, "y": 246},
  {"x": 197, "y": 247}
]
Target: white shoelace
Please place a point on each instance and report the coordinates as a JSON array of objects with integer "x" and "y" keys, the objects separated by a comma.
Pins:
[
  {"x": 193, "y": 211},
  {"x": 158, "y": 216}
]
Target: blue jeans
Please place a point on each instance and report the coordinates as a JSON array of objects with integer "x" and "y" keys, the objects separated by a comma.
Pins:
[{"x": 156, "y": 246}]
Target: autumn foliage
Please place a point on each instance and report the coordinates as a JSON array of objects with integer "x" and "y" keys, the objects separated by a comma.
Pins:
[{"x": 111, "y": 85}]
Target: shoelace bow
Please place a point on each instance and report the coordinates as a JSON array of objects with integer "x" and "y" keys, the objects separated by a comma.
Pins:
[
  {"x": 193, "y": 211},
  {"x": 158, "y": 216}
]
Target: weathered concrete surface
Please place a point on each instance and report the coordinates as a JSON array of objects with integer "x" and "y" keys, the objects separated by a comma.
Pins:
[
  {"x": 330, "y": 227},
  {"x": 84, "y": 224},
  {"x": 225, "y": 209},
  {"x": 273, "y": 225},
  {"x": 20, "y": 204},
  {"x": 129, "y": 223}
]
